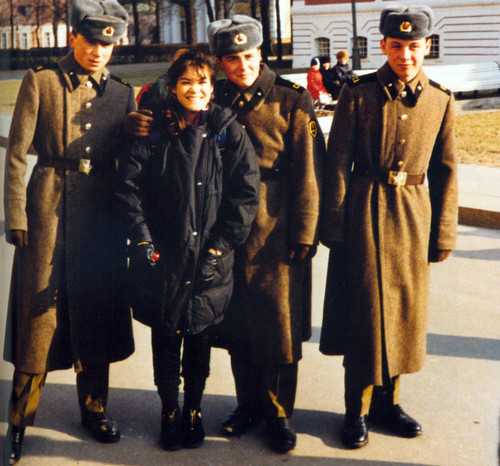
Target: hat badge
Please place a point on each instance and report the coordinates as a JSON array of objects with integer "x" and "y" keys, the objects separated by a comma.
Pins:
[
  {"x": 405, "y": 26},
  {"x": 108, "y": 32},
  {"x": 240, "y": 39}
]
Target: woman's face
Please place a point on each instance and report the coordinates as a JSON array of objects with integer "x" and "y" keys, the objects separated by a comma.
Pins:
[{"x": 194, "y": 89}]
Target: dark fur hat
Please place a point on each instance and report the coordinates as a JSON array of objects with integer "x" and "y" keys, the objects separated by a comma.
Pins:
[
  {"x": 101, "y": 20},
  {"x": 406, "y": 21},
  {"x": 234, "y": 35}
]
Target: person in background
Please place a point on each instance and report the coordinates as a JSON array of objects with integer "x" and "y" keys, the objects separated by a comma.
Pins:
[
  {"x": 315, "y": 84},
  {"x": 341, "y": 72},
  {"x": 269, "y": 314},
  {"x": 189, "y": 192},
  {"x": 67, "y": 305},
  {"x": 326, "y": 73},
  {"x": 392, "y": 129}
]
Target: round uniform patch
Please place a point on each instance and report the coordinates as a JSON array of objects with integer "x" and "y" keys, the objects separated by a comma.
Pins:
[
  {"x": 405, "y": 26},
  {"x": 108, "y": 32},
  {"x": 240, "y": 39},
  {"x": 313, "y": 129}
]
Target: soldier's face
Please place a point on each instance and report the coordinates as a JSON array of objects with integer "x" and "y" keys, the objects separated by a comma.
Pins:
[
  {"x": 194, "y": 89},
  {"x": 242, "y": 68},
  {"x": 91, "y": 55},
  {"x": 405, "y": 57}
]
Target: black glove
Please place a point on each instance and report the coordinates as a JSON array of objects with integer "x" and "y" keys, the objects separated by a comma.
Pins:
[
  {"x": 206, "y": 267},
  {"x": 143, "y": 255}
]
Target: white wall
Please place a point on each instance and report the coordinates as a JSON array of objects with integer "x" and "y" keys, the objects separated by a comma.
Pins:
[{"x": 469, "y": 30}]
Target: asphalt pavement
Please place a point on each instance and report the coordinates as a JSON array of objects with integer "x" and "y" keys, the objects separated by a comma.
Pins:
[{"x": 455, "y": 397}]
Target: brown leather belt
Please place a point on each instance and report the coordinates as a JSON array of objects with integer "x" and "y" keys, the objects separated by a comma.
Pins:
[
  {"x": 81, "y": 165},
  {"x": 394, "y": 178}
]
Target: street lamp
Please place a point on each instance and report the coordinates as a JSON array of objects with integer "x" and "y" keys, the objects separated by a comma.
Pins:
[{"x": 356, "y": 62}]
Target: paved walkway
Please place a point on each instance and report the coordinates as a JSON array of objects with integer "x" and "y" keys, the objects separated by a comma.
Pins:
[{"x": 455, "y": 396}]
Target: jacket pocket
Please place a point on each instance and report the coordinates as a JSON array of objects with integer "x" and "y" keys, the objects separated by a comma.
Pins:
[{"x": 209, "y": 304}]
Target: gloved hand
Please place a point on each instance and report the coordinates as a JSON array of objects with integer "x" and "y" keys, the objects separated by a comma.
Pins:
[
  {"x": 139, "y": 123},
  {"x": 438, "y": 255},
  {"x": 207, "y": 266},
  {"x": 300, "y": 252},
  {"x": 19, "y": 238},
  {"x": 143, "y": 255}
]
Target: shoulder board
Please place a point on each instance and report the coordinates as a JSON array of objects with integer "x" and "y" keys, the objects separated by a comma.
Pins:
[
  {"x": 120, "y": 80},
  {"x": 439, "y": 86},
  {"x": 38, "y": 68},
  {"x": 286, "y": 83},
  {"x": 365, "y": 78}
]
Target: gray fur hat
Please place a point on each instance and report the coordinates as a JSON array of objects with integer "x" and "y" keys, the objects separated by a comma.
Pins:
[
  {"x": 234, "y": 35},
  {"x": 101, "y": 20},
  {"x": 406, "y": 21}
]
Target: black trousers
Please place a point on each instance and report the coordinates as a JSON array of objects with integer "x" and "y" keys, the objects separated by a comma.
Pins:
[
  {"x": 167, "y": 364},
  {"x": 268, "y": 389}
]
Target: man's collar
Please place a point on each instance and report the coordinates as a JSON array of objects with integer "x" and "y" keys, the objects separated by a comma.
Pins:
[{"x": 74, "y": 75}]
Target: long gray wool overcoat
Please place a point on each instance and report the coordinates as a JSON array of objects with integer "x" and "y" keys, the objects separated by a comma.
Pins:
[
  {"x": 380, "y": 125},
  {"x": 67, "y": 302}
]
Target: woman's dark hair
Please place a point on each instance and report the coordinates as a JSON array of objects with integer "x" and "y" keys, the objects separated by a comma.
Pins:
[{"x": 160, "y": 99}]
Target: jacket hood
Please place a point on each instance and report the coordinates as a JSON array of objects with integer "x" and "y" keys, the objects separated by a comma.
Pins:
[{"x": 218, "y": 118}]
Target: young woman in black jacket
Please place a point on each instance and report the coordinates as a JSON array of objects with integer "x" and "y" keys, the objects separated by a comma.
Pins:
[{"x": 189, "y": 192}]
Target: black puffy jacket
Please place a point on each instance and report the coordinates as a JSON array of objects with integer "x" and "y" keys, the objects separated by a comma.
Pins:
[{"x": 186, "y": 194}]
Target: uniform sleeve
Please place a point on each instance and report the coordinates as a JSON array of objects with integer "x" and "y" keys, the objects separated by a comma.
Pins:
[
  {"x": 240, "y": 197},
  {"x": 338, "y": 166},
  {"x": 443, "y": 188},
  {"x": 308, "y": 154},
  {"x": 22, "y": 130}
]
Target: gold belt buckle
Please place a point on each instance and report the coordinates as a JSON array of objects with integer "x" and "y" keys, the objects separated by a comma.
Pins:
[
  {"x": 397, "y": 178},
  {"x": 85, "y": 166}
]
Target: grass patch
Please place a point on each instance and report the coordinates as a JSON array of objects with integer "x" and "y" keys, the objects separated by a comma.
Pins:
[
  {"x": 477, "y": 137},
  {"x": 477, "y": 133}
]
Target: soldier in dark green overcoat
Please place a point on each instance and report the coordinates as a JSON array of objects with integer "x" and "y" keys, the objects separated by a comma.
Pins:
[{"x": 67, "y": 305}]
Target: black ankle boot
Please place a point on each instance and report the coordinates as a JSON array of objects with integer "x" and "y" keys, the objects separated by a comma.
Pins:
[
  {"x": 15, "y": 437},
  {"x": 171, "y": 432},
  {"x": 192, "y": 428}
]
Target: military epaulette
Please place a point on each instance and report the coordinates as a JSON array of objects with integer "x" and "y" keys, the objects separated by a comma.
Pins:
[
  {"x": 439, "y": 86},
  {"x": 38, "y": 68},
  {"x": 120, "y": 80},
  {"x": 365, "y": 78},
  {"x": 285, "y": 83}
]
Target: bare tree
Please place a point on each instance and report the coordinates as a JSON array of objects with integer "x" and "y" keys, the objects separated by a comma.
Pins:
[
  {"x": 58, "y": 8},
  {"x": 266, "y": 29},
  {"x": 11, "y": 19},
  {"x": 188, "y": 7}
]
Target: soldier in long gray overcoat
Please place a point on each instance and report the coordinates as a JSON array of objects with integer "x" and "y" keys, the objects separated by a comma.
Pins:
[
  {"x": 269, "y": 315},
  {"x": 67, "y": 305},
  {"x": 392, "y": 129}
]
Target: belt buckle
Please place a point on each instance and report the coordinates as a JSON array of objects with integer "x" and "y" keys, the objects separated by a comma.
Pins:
[
  {"x": 397, "y": 178},
  {"x": 85, "y": 166}
]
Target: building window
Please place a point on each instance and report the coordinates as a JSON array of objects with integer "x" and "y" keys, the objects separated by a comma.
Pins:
[
  {"x": 24, "y": 40},
  {"x": 322, "y": 46},
  {"x": 362, "y": 46},
  {"x": 3, "y": 41},
  {"x": 47, "y": 39},
  {"x": 183, "y": 31},
  {"x": 434, "y": 51}
]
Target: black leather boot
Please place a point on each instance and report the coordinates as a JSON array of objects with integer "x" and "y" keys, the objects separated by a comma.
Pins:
[
  {"x": 192, "y": 428},
  {"x": 354, "y": 431},
  {"x": 282, "y": 437},
  {"x": 239, "y": 421},
  {"x": 395, "y": 420},
  {"x": 103, "y": 428},
  {"x": 14, "y": 441},
  {"x": 171, "y": 431}
]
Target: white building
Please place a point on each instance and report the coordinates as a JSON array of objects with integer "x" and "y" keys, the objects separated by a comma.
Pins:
[{"x": 464, "y": 31}]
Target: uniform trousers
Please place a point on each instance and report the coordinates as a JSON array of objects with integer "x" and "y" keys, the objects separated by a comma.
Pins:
[
  {"x": 167, "y": 367},
  {"x": 92, "y": 387},
  {"x": 267, "y": 389},
  {"x": 360, "y": 398}
]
